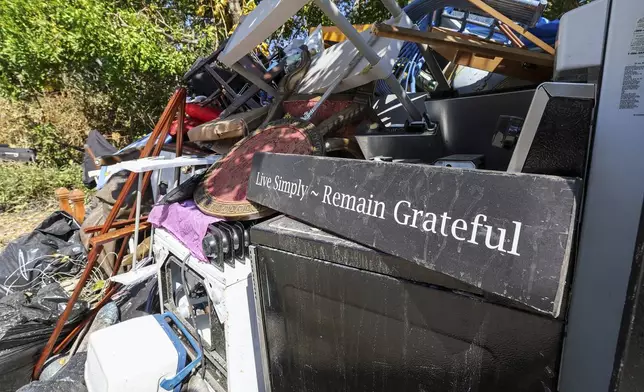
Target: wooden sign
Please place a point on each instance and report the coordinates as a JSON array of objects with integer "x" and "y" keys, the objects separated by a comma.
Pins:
[{"x": 508, "y": 234}]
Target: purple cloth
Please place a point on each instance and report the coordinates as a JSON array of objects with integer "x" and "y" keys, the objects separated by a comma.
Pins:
[{"x": 185, "y": 222}]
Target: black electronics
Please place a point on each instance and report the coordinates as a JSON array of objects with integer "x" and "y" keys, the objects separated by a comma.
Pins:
[
  {"x": 17, "y": 154},
  {"x": 468, "y": 124},
  {"x": 507, "y": 133},
  {"x": 338, "y": 316},
  {"x": 463, "y": 161},
  {"x": 227, "y": 242},
  {"x": 555, "y": 136}
]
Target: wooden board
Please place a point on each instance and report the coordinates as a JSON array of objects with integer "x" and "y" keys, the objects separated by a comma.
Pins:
[
  {"x": 516, "y": 69},
  {"x": 511, "y": 24},
  {"x": 463, "y": 43},
  {"x": 116, "y": 234},
  {"x": 334, "y": 34}
]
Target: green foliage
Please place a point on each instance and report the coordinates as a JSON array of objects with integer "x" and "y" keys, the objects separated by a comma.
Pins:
[
  {"x": 130, "y": 54},
  {"x": 556, "y": 8},
  {"x": 310, "y": 16},
  {"x": 53, "y": 124},
  {"x": 23, "y": 185},
  {"x": 46, "y": 139}
]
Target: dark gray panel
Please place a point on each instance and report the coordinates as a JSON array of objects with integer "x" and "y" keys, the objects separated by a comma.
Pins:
[
  {"x": 629, "y": 360},
  {"x": 334, "y": 328},
  {"x": 521, "y": 251},
  {"x": 287, "y": 234},
  {"x": 468, "y": 123}
]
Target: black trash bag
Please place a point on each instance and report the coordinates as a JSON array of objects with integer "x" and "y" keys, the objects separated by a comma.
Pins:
[
  {"x": 184, "y": 191},
  {"x": 99, "y": 146},
  {"x": 27, "y": 319},
  {"x": 73, "y": 370},
  {"x": 54, "y": 386},
  {"x": 24, "y": 260},
  {"x": 138, "y": 300},
  {"x": 106, "y": 317}
]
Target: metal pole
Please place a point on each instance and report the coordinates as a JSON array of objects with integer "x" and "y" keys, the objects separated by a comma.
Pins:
[
  {"x": 159, "y": 172},
  {"x": 329, "y": 8},
  {"x": 395, "y": 10},
  {"x": 255, "y": 79},
  {"x": 393, "y": 7},
  {"x": 137, "y": 218},
  {"x": 307, "y": 116}
]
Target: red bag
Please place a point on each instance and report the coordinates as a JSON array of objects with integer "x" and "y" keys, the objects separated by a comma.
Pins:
[
  {"x": 202, "y": 113},
  {"x": 188, "y": 124}
]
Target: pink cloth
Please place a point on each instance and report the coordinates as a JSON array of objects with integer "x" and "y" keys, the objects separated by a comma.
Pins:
[{"x": 185, "y": 222}]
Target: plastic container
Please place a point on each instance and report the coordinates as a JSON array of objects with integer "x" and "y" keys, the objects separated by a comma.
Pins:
[{"x": 139, "y": 355}]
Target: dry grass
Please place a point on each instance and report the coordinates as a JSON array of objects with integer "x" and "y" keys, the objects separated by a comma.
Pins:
[
  {"x": 15, "y": 224},
  {"x": 62, "y": 110}
]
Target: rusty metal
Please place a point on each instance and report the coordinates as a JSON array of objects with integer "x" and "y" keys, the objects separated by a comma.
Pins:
[
  {"x": 160, "y": 129},
  {"x": 146, "y": 177},
  {"x": 516, "y": 41},
  {"x": 106, "y": 298}
]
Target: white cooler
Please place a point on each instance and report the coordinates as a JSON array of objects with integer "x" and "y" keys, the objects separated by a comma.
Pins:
[{"x": 139, "y": 355}]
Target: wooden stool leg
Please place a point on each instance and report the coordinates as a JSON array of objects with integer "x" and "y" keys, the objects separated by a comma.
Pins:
[{"x": 62, "y": 194}]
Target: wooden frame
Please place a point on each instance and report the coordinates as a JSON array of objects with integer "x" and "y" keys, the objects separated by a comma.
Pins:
[
  {"x": 152, "y": 148},
  {"x": 463, "y": 49},
  {"x": 514, "y": 26}
]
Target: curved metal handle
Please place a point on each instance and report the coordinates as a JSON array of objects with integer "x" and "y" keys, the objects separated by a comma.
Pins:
[{"x": 171, "y": 383}]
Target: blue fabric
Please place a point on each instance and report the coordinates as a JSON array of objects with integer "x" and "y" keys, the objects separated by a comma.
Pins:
[
  {"x": 545, "y": 30},
  {"x": 410, "y": 61}
]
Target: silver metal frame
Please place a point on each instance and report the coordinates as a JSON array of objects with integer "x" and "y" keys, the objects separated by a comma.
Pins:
[
  {"x": 610, "y": 218},
  {"x": 544, "y": 92},
  {"x": 255, "y": 79},
  {"x": 259, "y": 312},
  {"x": 332, "y": 12}
]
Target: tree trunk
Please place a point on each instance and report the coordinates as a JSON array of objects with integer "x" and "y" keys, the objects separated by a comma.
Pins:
[{"x": 235, "y": 9}]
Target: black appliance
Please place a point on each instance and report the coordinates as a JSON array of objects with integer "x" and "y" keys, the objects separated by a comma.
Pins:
[{"x": 338, "y": 316}]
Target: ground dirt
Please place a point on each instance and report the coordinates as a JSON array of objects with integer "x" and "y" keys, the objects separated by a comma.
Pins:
[{"x": 15, "y": 224}]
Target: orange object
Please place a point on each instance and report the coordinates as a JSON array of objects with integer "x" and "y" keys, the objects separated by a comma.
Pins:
[
  {"x": 152, "y": 148},
  {"x": 62, "y": 194},
  {"x": 335, "y": 35},
  {"x": 511, "y": 36},
  {"x": 77, "y": 198},
  {"x": 511, "y": 24}
]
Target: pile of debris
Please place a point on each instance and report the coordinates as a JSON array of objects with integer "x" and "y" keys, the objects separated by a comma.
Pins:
[{"x": 156, "y": 269}]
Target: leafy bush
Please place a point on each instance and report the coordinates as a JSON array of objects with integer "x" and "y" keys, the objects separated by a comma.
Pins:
[
  {"x": 54, "y": 124},
  {"x": 46, "y": 139},
  {"x": 122, "y": 58},
  {"x": 25, "y": 185}
]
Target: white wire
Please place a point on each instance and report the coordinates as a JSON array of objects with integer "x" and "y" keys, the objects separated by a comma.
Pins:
[{"x": 22, "y": 270}]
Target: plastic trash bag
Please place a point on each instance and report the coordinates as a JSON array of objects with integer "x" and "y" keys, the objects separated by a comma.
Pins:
[
  {"x": 107, "y": 316},
  {"x": 315, "y": 41},
  {"x": 70, "y": 378},
  {"x": 23, "y": 261},
  {"x": 27, "y": 319}
]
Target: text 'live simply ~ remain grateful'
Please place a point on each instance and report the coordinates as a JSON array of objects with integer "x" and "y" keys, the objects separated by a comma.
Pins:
[{"x": 405, "y": 215}]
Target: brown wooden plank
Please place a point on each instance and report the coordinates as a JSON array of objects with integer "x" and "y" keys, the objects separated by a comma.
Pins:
[
  {"x": 534, "y": 73},
  {"x": 116, "y": 234},
  {"x": 160, "y": 129},
  {"x": 115, "y": 225},
  {"x": 511, "y": 24},
  {"x": 436, "y": 38}
]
